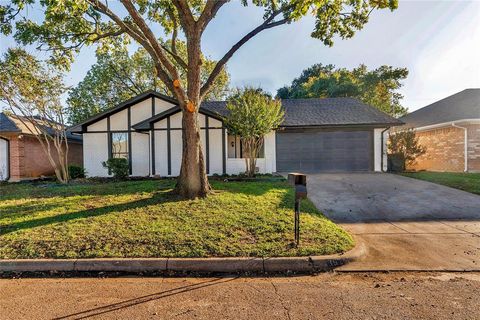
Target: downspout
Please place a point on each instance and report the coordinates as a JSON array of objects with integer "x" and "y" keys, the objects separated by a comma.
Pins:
[
  {"x": 381, "y": 152},
  {"x": 465, "y": 145}
]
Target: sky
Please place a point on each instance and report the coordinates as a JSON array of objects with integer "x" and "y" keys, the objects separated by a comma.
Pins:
[{"x": 438, "y": 41}]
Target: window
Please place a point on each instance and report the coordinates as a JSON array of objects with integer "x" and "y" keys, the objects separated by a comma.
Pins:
[
  {"x": 119, "y": 144},
  {"x": 235, "y": 150}
]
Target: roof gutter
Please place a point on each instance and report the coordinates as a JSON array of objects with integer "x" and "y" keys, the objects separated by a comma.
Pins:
[{"x": 465, "y": 133}]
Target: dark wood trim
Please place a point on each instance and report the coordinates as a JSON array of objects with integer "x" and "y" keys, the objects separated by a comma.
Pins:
[
  {"x": 207, "y": 145},
  {"x": 152, "y": 139},
  {"x": 109, "y": 139},
  {"x": 129, "y": 124},
  {"x": 372, "y": 151},
  {"x": 224, "y": 154},
  {"x": 169, "y": 148}
]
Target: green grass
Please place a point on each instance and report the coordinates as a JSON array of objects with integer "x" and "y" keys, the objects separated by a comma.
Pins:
[
  {"x": 464, "y": 181},
  {"x": 145, "y": 219}
]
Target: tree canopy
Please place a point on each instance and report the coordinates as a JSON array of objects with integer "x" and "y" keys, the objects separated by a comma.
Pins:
[
  {"x": 31, "y": 90},
  {"x": 118, "y": 76},
  {"x": 252, "y": 115},
  {"x": 378, "y": 87},
  {"x": 68, "y": 25}
]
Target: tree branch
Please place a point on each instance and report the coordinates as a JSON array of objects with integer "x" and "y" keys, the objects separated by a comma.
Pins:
[
  {"x": 210, "y": 10},
  {"x": 267, "y": 24},
  {"x": 147, "y": 32},
  {"x": 186, "y": 17}
]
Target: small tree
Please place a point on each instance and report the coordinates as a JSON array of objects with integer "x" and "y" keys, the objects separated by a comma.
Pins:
[
  {"x": 253, "y": 114},
  {"x": 404, "y": 146},
  {"x": 32, "y": 90}
]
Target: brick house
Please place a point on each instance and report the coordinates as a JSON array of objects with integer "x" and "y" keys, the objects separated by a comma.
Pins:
[
  {"x": 450, "y": 130},
  {"x": 22, "y": 156}
]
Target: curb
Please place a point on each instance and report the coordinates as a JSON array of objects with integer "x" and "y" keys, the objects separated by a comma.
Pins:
[{"x": 304, "y": 265}]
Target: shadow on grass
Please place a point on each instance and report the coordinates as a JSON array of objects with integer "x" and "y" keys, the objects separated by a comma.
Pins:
[
  {"x": 18, "y": 191},
  {"x": 157, "y": 198}
]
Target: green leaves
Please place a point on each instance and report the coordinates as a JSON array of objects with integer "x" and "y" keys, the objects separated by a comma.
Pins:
[
  {"x": 27, "y": 83},
  {"x": 118, "y": 76},
  {"x": 253, "y": 113},
  {"x": 376, "y": 87}
]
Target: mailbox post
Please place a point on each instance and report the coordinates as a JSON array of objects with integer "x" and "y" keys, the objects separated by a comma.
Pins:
[{"x": 299, "y": 181}]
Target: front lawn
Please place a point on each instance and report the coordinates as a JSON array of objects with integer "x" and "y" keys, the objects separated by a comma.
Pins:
[
  {"x": 145, "y": 219},
  {"x": 464, "y": 181}
]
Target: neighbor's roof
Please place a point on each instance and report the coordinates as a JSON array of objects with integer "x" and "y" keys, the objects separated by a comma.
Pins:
[
  {"x": 322, "y": 112},
  {"x": 14, "y": 124},
  {"x": 7, "y": 125},
  {"x": 460, "y": 106}
]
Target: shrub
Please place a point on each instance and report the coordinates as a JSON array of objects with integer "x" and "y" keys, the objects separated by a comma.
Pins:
[
  {"x": 118, "y": 167},
  {"x": 76, "y": 172},
  {"x": 403, "y": 149}
]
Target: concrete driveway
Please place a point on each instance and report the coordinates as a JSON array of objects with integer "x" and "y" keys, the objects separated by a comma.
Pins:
[{"x": 406, "y": 224}]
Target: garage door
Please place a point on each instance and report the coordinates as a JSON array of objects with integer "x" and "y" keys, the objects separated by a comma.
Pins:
[{"x": 324, "y": 151}]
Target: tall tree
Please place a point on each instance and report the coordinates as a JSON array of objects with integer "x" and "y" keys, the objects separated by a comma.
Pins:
[
  {"x": 117, "y": 76},
  {"x": 31, "y": 90},
  {"x": 378, "y": 87},
  {"x": 252, "y": 115},
  {"x": 70, "y": 24}
]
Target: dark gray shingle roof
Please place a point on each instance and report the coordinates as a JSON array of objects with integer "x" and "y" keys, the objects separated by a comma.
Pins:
[
  {"x": 7, "y": 125},
  {"x": 322, "y": 112},
  {"x": 14, "y": 124},
  {"x": 462, "y": 105}
]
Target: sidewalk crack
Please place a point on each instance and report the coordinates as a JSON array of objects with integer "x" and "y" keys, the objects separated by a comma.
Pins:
[{"x": 287, "y": 310}]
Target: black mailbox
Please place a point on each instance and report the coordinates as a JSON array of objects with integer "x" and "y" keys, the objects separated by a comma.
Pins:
[
  {"x": 300, "y": 192},
  {"x": 299, "y": 181}
]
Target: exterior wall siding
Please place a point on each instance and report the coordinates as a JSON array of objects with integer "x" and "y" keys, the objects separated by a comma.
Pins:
[
  {"x": 445, "y": 150},
  {"x": 377, "y": 150},
  {"x": 29, "y": 161},
  {"x": 473, "y": 133},
  {"x": 4, "y": 159},
  {"x": 94, "y": 153}
]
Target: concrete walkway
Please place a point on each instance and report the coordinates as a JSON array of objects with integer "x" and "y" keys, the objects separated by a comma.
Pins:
[{"x": 406, "y": 224}]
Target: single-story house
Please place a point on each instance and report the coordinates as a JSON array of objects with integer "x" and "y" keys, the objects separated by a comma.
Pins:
[
  {"x": 450, "y": 131},
  {"x": 317, "y": 135},
  {"x": 21, "y": 154}
]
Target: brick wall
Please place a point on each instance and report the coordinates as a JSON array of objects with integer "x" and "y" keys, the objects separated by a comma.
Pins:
[
  {"x": 28, "y": 160},
  {"x": 17, "y": 163},
  {"x": 445, "y": 150},
  {"x": 473, "y": 132}
]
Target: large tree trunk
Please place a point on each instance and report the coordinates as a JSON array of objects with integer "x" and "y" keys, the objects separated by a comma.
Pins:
[{"x": 192, "y": 181}]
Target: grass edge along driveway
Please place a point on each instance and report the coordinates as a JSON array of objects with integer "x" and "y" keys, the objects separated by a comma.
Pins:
[
  {"x": 145, "y": 219},
  {"x": 469, "y": 182}
]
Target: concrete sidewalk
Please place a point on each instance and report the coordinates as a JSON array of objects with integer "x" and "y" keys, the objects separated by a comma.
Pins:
[{"x": 406, "y": 224}]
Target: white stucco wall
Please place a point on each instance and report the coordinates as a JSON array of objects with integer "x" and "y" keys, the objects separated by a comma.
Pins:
[
  {"x": 98, "y": 126},
  {"x": 96, "y": 144},
  {"x": 95, "y": 151},
  {"x": 141, "y": 111},
  {"x": 161, "y": 159},
  {"x": 377, "y": 149},
  {"x": 162, "y": 105},
  {"x": 3, "y": 159},
  {"x": 119, "y": 120},
  {"x": 140, "y": 154}
]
